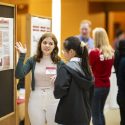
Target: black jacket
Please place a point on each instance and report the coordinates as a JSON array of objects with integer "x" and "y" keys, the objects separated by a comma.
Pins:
[
  {"x": 119, "y": 65},
  {"x": 121, "y": 78},
  {"x": 74, "y": 91}
]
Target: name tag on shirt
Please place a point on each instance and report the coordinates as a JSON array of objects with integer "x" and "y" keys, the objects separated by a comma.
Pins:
[{"x": 51, "y": 70}]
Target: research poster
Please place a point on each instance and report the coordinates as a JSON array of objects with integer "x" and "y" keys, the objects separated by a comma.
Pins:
[
  {"x": 39, "y": 26},
  {"x": 6, "y": 43}
]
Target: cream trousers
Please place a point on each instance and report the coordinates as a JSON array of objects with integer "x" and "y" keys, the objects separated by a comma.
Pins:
[{"x": 42, "y": 107}]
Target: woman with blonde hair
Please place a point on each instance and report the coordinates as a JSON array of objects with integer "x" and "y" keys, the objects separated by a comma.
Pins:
[{"x": 101, "y": 61}]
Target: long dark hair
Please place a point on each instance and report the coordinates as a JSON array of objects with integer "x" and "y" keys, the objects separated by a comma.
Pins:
[
  {"x": 54, "y": 55},
  {"x": 81, "y": 52}
]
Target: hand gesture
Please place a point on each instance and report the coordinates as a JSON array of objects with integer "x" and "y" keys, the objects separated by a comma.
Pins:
[
  {"x": 20, "y": 47},
  {"x": 53, "y": 77}
]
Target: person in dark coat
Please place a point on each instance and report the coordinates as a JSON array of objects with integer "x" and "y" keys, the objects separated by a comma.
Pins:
[
  {"x": 120, "y": 74},
  {"x": 74, "y": 85}
]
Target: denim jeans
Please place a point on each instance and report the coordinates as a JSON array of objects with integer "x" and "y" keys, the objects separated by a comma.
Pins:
[
  {"x": 98, "y": 103},
  {"x": 70, "y": 124}
]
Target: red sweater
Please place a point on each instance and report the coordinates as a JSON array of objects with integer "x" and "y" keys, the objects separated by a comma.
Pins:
[{"x": 101, "y": 68}]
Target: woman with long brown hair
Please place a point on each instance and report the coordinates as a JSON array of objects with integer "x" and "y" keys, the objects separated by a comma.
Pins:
[{"x": 42, "y": 104}]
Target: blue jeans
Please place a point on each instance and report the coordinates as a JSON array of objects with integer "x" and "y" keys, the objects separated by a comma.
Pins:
[
  {"x": 64, "y": 124},
  {"x": 98, "y": 103}
]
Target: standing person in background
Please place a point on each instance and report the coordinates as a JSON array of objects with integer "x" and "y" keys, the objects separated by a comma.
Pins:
[
  {"x": 73, "y": 85},
  {"x": 119, "y": 35},
  {"x": 42, "y": 104},
  {"x": 85, "y": 30},
  {"x": 120, "y": 74},
  {"x": 101, "y": 61}
]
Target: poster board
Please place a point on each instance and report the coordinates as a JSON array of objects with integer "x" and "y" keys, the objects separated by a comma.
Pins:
[
  {"x": 6, "y": 43},
  {"x": 37, "y": 27},
  {"x": 7, "y": 38}
]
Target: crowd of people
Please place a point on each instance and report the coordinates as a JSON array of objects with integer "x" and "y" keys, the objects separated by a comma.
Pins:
[{"x": 72, "y": 93}]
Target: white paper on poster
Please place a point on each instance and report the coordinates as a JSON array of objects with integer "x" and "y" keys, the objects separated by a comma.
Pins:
[
  {"x": 6, "y": 43},
  {"x": 39, "y": 26}
]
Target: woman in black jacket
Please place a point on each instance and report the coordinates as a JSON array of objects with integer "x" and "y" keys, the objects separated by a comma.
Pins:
[
  {"x": 120, "y": 74},
  {"x": 74, "y": 85}
]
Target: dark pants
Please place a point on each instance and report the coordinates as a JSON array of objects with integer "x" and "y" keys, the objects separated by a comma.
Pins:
[
  {"x": 98, "y": 103},
  {"x": 121, "y": 103},
  {"x": 21, "y": 122},
  {"x": 70, "y": 124}
]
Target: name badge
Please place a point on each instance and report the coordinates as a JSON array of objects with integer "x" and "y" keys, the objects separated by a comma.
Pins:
[{"x": 51, "y": 70}]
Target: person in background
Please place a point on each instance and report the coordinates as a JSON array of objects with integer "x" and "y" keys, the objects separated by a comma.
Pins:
[
  {"x": 119, "y": 35},
  {"x": 74, "y": 85},
  {"x": 120, "y": 74},
  {"x": 43, "y": 66},
  {"x": 101, "y": 60},
  {"x": 85, "y": 30}
]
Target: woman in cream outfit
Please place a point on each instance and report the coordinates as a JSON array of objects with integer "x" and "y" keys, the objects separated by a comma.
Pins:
[{"x": 42, "y": 104}]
